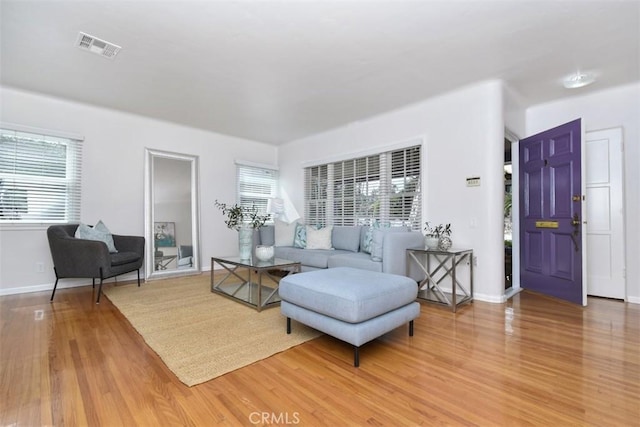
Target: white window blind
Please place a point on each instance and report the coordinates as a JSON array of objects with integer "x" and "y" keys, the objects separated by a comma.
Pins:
[
  {"x": 383, "y": 187},
  {"x": 256, "y": 185},
  {"x": 39, "y": 178}
]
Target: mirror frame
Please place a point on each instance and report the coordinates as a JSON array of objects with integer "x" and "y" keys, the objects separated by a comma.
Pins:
[{"x": 149, "y": 219}]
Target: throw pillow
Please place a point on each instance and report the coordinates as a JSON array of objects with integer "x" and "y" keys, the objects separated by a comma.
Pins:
[
  {"x": 300, "y": 236},
  {"x": 284, "y": 233},
  {"x": 319, "y": 238},
  {"x": 368, "y": 236},
  {"x": 100, "y": 233}
]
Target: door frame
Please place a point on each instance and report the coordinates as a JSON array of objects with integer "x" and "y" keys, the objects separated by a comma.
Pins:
[{"x": 515, "y": 215}]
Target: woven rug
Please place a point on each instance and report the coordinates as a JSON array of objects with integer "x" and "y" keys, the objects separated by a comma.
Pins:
[{"x": 200, "y": 335}]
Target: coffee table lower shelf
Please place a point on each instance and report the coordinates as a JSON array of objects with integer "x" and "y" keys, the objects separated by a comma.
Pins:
[{"x": 252, "y": 283}]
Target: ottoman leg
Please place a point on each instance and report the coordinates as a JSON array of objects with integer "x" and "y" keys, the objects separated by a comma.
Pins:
[
  {"x": 356, "y": 356},
  {"x": 288, "y": 325},
  {"x": 411, "y": 328}
]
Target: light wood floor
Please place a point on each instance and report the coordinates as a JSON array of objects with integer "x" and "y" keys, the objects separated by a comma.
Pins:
[{"x": 530, "y": 361}]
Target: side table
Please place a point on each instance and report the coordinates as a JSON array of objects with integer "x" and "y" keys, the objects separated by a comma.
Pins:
[{"x": 438, "y": 266}]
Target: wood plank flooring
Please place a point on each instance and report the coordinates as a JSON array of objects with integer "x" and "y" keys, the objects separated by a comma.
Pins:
[{"x": 530, "y": 361}]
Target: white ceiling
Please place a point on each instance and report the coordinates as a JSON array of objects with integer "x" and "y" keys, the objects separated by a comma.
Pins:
[{"x": 277, "y": 71}]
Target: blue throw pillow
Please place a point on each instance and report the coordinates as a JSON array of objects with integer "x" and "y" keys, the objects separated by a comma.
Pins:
[
  {"x": 300, "y": 236},
  {"x": 368, "y": 236}
]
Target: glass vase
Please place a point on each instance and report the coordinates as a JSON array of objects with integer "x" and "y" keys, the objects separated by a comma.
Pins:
[
  {"x": 444, "y": 244},
  {"x": 245, "y": 241}
]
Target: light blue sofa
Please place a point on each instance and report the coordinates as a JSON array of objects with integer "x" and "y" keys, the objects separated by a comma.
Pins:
[{"x": 388, "y": 249}]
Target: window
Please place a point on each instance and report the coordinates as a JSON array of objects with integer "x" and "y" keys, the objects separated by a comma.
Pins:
[
  {"x": 256, "y": 185},
  {"x": 39, "y": 178},
  {"x": 384, "y": 187}
]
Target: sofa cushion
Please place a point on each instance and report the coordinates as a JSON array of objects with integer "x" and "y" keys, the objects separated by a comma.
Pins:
[
  {"x": 267, "y": 235},
  {"x": 346, "y": 237},
  {"x": 318, "y": 258},
  {"x": 319, "y": 238},
  {"x": 284, "y": 233},
  {"x": 378, "y": 240},
  {"x": 367, "y": 236},
  {"x": 122, "y": 258},
  {"x": 359, "y": 260}
]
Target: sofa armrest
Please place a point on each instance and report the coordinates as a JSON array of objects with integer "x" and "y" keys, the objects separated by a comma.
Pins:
[
  {"x": 394, "y": 252},
  {"x": 129, "y": 244}
]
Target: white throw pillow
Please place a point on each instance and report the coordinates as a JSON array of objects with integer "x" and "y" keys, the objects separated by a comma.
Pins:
[
  {"x": 100, "y": 233},
  {"x": 284, "y": 233},
  {"x": 319, "y": 239}
]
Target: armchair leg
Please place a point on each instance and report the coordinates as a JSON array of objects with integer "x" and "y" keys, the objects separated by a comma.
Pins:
[
  {"x": 93, "y": 282},
  {"x": 138, "y": 277},
  {"x": 55, "y": 285}
]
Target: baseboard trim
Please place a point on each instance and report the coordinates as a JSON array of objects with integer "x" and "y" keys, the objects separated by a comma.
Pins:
[{"x": 65, "y": 284}]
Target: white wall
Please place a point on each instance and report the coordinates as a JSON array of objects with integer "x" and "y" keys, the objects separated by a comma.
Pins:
[
  {"x": 113, "y": 175},
  {"x": 602, "y": 110},
  {"x": 463, "y": 133}
]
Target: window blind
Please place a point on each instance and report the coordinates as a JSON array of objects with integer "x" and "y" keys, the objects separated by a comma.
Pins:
[
  {"x": 256, "y": 185},
  {"x": 383, "y": 187},
  {"x": 39, "y": 178}
]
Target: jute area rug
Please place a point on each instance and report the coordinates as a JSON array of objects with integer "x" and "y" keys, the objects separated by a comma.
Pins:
[{"x": 200, "y": 335}]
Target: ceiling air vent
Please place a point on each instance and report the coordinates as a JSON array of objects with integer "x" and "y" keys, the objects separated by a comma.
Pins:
[{"x": 100, "y": 47}]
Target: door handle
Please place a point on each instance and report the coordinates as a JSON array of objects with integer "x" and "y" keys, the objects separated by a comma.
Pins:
[
  {"x": 576, "y": 231},
  {"x": 576, "y": 221}
]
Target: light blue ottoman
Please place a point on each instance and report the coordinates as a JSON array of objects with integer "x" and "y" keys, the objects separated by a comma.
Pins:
[{"x": 353, "y": 305}]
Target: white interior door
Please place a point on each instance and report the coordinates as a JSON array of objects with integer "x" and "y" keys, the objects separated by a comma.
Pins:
[{"x": 605, "y": 214}]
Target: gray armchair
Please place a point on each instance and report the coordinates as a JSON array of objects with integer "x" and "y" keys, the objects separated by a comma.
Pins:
[
  {"x": 185, "y": 256},
  {"x": 80, "y": 258}
]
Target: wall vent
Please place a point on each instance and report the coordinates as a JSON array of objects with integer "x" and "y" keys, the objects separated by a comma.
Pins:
[{"x": 98, "y": 46}]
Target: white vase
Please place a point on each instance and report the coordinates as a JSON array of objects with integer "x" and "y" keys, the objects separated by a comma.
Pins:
[
  {"x": 264, "y": 253},
  {"x": 245, "y": 241},
  {"x": 431, "y": 241}
]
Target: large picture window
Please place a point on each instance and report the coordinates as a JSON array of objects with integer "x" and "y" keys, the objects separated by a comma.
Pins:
[
  {"x": 383, "y": 187},
  {"x": 256, "y": 185},
  {"x": 39, "y": 178}
]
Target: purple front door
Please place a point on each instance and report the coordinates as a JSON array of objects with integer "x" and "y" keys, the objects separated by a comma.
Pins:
[{"x": 551, "y": 213}]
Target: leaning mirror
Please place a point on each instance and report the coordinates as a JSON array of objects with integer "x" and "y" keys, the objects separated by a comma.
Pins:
[{"x": 171, "y": 214}]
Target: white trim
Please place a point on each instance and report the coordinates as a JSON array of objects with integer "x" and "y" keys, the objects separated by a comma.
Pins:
[
  {"x": 68, "y": 284},
  {"x": 40, "y": 131},
  {"x": 256, "y": 165},
  {"x": 412, "y": 142}
]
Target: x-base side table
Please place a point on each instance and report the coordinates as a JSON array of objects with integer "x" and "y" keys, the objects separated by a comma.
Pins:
[{"x": 439, "y": 265}]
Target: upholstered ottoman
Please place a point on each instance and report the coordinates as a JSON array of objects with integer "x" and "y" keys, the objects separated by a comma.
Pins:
[{"x": 353, "y": 305}]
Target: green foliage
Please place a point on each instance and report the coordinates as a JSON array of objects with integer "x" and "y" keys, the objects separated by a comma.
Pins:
[
  {"x": 438, "y": 230},
  {"x": 238, "y": 215},
  {"x": 508, "y": 203}
]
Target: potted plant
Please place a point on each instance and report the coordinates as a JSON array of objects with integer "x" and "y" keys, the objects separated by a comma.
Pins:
[
  {"x": 438, "y": 237},
  {"x": 242, "y": 216},
  {"x": 244, "y": 220}
]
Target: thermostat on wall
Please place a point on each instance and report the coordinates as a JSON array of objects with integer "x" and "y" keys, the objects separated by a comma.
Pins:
[{"x": 474, "y": 181}]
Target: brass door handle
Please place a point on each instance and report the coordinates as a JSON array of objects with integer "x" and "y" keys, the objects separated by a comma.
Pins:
[{"x": 576, "y": 221}]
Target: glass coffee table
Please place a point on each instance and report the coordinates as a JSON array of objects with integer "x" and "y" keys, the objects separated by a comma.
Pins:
[{"x": 251, "y": 282}]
